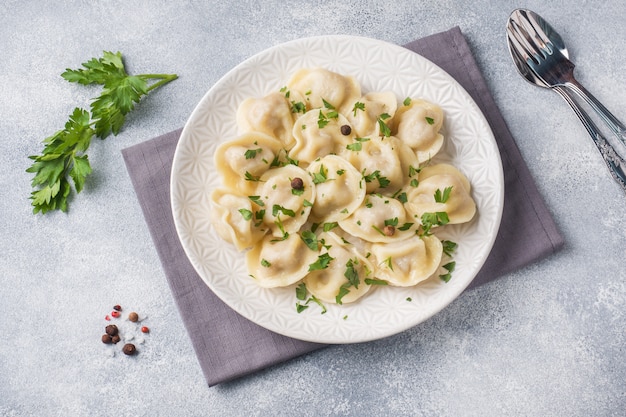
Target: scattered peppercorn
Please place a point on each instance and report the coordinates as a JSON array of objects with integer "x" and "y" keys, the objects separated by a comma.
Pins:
[
  {"x": 117, "y": 307},
  {"x": 111, "y": 330},
  {"x": 145, "y": 329},
  {"x": 346, "y": 130},
  {"x": 134, "y": 317},
  {"x": 297, "y": 183},
  {"x": 115, "y": 339},
  {"x": 106, "y": 339},
  {"x": 129, "y": 349},
  {"x": 389, "y": 230},
  {"x": 115, "y": 314}
]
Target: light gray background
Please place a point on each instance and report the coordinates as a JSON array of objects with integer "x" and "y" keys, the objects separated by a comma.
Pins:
[{"x": 548, "y": 340}]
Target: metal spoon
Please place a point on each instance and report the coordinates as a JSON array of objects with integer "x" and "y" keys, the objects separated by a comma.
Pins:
[
  {"x": 550, "y": 61},
  {"x": 528, "y": 50}
]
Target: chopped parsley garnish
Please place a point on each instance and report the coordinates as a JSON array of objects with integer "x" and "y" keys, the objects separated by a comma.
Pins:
[
  {"x": 310, "y": 239},
  {"x": 257, "y": 200},
  {"x": 407, "y": 101},
  {"x": 450, "y": 268},
  {"x": 330, "y": 226},
  {"x": 391, "y": 222},
  {"x": 251, "y": 153},
  {"x": 358, "y": 145},
  {"x": 322, "y": 262},
  {"x": 382, "y": 181},
  {"x": 387, "y": 262},
  {"x": 321, "y": 176},
  {"x": 278, "y": 208},
  {"x": 298, "y": 107},
  {"x": 384, "y": 129},
  {"x": 449, "y": 247},
  {"x": 442, "y": 197},
  {"x": 430, "y": 220},
  {"x": 245, "y": 213},
  {"x": 405, "y": 226},
  {"x": 358, "y": 106},
  {"x": 301, "y": 292},
  {"x": 265, "y": 263},
  {"x": 250, "y": 177},
  {"x": 374, "y": 281},
  {"x": 430, "y": 120}
]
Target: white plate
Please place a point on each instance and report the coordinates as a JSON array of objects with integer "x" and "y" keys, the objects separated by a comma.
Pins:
[{"x": 378, "y": 66}]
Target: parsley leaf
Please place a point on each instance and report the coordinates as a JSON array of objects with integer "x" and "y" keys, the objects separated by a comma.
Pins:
[
  {"x": 310, "y": 239},
  {"x": 384, "y": 129},
  {"x": 321, "y": 176},
  {"x": 358, "y": 106},
  {"x": 64, "y": 153},
  {"x": 442, "y": 197},
  {"x": 322, "y": 262}
]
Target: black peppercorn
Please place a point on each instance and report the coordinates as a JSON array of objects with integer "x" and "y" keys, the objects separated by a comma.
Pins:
[
  {"x": 346, "y": 130},
  {"x": 129, "y": 349},
  {"x": 106, "y": 339},
  {"x": 111, "y": 330},
  {"x": 297, "y": 183},
  {"x": 115, "y": 339}
]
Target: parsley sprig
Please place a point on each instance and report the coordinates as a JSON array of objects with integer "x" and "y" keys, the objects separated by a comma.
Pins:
[{"x": 64, "y": 154}]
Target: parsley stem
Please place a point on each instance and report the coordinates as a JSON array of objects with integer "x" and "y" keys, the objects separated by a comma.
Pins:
[{"x": 165, "y": 78}]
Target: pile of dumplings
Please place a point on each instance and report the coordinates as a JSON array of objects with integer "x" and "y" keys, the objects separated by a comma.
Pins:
[{"x": 331, "y": 187}]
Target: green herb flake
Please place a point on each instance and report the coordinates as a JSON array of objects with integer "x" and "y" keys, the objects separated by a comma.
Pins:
[
  {"x": 430, "y": 120},
  {"x": 358, "y": 106},
  {"x": 351, "y": 274},
  {"x": 252, "y": 153},
  {"x": 449, "y": 247},
  {"x": 301, "y": 292},
  {"x": 374, "y": 281},
  {"x": 278, "y": 208},
  {"x": 245, "y": 213},
  {"x": 257, "y": 200},
  {"x": 322, "y": 262},
  {"x": 310, "y": 239},
  {"x": 265, "y": 263},
  {"x": 321, "y": 176},
  {"x": 407, "y": 101},
  {"x": 442, "y": 197}
]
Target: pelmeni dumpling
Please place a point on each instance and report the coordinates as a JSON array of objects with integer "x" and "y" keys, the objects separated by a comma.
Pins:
[
  {"x": 318, "y": 133},
  {"x": 331, "y": 283},
  {"x": 379, "y": 219},
  {"x": 418, "y": 125},
  {"x": 318, "y": 85},
  {"x": 280, "y": 262},
  {"x": 407, "y": 262},
  {"x": 384, "y": 162},
  {"x": 364, "y": 116},
  {"x": 437, "y": 169},
  {"x": 339, "y": 188},
  {"x": 459, "y": 205},
  {"x": 243, "y": 160},
  {"x": 286, "y": 208},
  {"x": 232, "y": 217},
  {"x": 271, "y": 115}
]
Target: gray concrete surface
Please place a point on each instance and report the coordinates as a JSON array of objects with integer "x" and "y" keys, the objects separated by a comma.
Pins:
[{"x": 548, "y": 340}]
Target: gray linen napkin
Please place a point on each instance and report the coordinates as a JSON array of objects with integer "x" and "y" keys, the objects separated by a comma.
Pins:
[{"x": 229, "y": 346}]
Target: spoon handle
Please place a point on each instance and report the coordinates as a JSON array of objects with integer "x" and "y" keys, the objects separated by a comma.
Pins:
[
  {"x": 612, "y": 122},
  {"x": 615, "y": 163}
]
